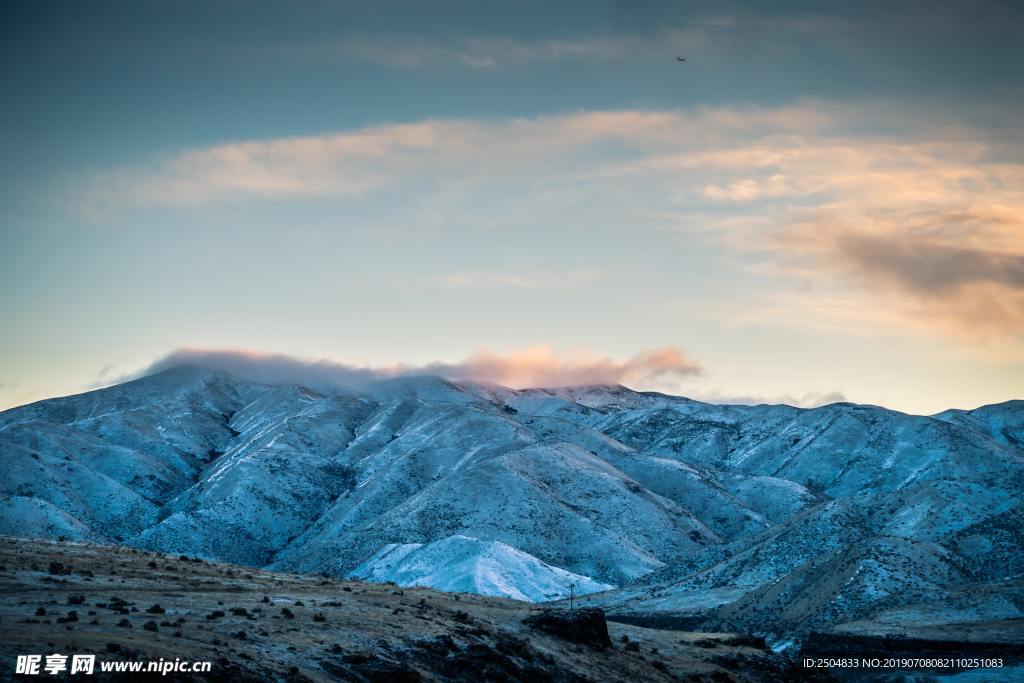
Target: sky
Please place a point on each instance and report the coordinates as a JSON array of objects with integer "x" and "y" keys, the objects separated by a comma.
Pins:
[{"x": 824, "y": 201}]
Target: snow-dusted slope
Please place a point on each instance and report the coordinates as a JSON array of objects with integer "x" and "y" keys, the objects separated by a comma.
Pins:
[
  {"x": 468, "y": 565},
  {"x": 689, "y": 508}
]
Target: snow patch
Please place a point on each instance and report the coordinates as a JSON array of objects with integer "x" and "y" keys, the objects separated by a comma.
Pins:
[{"x": 464, "y": 564}]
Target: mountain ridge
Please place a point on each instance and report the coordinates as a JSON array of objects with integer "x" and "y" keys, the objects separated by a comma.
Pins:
[{"x": 681, "y": 505}]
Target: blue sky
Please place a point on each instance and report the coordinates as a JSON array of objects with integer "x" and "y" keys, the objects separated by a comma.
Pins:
[{"x": 825, "y": 200}]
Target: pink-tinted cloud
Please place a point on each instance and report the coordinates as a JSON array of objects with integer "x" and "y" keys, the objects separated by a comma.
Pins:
[{"x": 537, "y": 366}]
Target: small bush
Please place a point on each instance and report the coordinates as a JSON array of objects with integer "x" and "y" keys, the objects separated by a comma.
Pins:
[
  {"x": 287, "y": 613},
  {"x": 155, "y": 609},
  {"x": 76, "y": 599},
  {"x": 320, "y": 616},
  {"x": 215, "y": 614},
  {"x": 150, "y": 626}
]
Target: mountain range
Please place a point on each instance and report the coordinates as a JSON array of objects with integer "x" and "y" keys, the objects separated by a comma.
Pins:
[{"x": 770, "y": 518}]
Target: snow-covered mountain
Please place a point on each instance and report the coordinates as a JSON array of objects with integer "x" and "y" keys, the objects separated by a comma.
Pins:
[{"x": 773, "y": 518}]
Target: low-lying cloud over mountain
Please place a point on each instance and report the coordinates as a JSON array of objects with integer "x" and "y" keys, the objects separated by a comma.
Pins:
[{"x": 533, "y": 367}]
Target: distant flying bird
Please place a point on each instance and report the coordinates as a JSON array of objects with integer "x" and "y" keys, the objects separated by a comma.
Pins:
[{"x": 680, "y": 59}]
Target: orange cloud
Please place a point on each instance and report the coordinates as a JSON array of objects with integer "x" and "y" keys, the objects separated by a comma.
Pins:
[{"x": 958, "y": 271}]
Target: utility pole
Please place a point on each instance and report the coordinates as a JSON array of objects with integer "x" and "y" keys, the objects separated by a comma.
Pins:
[{"x": 572, "y": 591}]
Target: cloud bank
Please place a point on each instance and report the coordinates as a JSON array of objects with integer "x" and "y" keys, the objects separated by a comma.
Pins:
[{"x": 537, "y": 366}]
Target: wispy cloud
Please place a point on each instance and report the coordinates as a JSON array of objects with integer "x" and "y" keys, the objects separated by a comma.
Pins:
[
  {"x": 538, "y": 366},
  {"x": 917, "y": 231},
  {"x": 357, "y": 162},
  {"x": 894, "y": 234}
]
